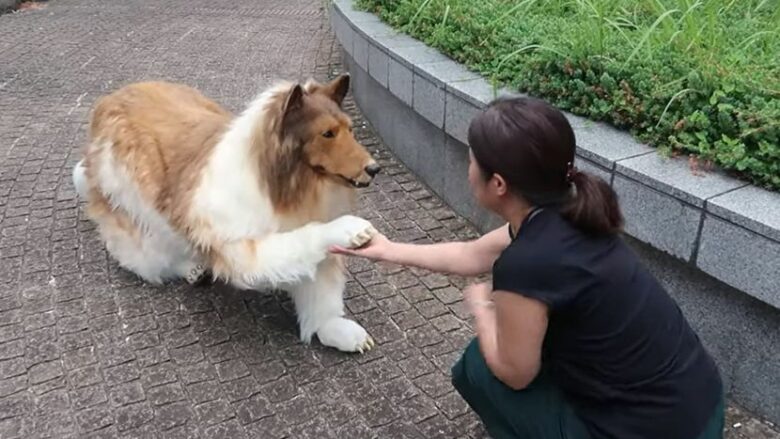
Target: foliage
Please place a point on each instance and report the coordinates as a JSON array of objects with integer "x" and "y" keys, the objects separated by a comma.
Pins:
[{"x": 689, "y": 76}]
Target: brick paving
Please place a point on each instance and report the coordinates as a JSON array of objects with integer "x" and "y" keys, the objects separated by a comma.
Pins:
[{"x": 87, "y": 350}]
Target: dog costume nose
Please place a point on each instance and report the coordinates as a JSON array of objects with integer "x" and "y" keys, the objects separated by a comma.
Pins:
[{"x": 373, "y": 169}]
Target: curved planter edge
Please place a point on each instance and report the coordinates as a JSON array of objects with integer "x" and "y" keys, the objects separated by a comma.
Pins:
[{"x": 724, "y": 227}]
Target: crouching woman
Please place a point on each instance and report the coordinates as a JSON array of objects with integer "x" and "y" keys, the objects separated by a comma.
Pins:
[{"x": 576, "y": 339}]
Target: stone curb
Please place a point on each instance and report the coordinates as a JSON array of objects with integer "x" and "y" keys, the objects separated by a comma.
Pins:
[
  {"x": 8, "y": 5},
  {"x": 725, "y": 227}
]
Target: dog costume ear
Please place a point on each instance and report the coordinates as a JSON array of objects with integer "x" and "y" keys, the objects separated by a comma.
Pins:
[
  {"x": 338, "y": 88},
  {"x": 294, "y": 100}
]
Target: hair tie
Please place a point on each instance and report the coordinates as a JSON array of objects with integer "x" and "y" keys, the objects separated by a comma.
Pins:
[{"x": 571, "y": 172}]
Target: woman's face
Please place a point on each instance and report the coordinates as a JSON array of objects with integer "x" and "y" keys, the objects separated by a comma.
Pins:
[
  {"x": 479, "y": 186},
  {"x": 491, "y": 193}
]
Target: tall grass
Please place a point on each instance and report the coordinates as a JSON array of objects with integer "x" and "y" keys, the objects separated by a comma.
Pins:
[{"x": 697, "y": 76}]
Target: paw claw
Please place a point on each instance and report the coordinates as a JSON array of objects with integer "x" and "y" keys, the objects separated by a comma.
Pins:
[
  {"x": 367, "y": 345},
  {"x": 345, "y": 335},
  {"x": 351, "y": 231},
  {"x": 196, "y": 274}
]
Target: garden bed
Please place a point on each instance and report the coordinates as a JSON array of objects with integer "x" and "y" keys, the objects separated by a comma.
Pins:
[{"x": 692, "y": 77}]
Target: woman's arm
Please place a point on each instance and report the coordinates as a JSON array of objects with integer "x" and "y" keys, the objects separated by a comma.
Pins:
[
  {"x": 469, "y": 258},
  {"x": 510, "y": 330}
]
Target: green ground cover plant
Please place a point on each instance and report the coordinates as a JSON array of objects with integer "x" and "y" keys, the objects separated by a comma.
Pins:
[{"x": 696, "y": 77}]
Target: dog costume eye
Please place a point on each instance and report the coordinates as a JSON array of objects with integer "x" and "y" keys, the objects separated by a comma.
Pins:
[{"x": 328, "y": 134}]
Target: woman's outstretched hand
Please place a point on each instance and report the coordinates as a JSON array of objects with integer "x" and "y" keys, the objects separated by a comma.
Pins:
[{"x": 377, "y": 249}]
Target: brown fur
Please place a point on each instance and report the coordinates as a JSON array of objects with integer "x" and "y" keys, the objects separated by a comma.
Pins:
[
  {"x": 164, "y": 135},
  {"x": 304, "y": 159}
]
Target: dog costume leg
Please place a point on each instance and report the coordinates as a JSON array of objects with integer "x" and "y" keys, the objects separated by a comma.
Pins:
[
  {"x": 289, "y": 258},
  {"x": 320, "y": 308},
  {"x": 128, "y": 246},
  {"x": 153, "y": 255}
]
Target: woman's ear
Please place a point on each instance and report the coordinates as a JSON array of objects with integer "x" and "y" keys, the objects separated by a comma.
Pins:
[{"x": 499, "y": 184}]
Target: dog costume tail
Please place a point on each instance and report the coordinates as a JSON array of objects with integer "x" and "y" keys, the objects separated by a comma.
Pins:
[{"x": 80, "y": 179}]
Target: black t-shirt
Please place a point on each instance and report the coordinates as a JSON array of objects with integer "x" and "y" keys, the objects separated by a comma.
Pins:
[{"x": 617, "y": 344}]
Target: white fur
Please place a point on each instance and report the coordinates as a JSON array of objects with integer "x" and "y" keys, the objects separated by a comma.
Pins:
[
  {"x": 231, "y": 208},
  {"x": 228, "y": 194},
  {"x": 158, "y": 253},
  {"x": 80, "y": 179}
]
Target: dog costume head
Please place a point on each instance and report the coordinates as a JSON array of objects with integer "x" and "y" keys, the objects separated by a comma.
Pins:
[{"x": 314, "y": 122}]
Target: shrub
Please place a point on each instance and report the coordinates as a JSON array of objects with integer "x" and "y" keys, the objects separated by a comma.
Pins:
[{"x": 687, "y": 76}]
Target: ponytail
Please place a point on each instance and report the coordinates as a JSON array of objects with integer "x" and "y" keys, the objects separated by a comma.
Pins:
[{"x": 593, "y": 209}]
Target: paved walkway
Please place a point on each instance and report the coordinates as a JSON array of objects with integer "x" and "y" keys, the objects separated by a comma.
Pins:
[{"x": 86, "y": 350}]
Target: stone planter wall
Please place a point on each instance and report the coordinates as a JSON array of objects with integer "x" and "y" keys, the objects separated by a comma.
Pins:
[
  {"x": 8, "y": 5},
  {"x": 713, "y": 240}
]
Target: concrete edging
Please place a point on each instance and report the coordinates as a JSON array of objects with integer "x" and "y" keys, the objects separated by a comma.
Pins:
[
  {"x": 8, "y": 5},
  {"x": 724, "y": 227}
]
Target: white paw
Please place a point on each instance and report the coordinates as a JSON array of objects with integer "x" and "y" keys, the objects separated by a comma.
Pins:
[
  {"x": 345, "y": 335},
  {"x": 349, "y": 231}
]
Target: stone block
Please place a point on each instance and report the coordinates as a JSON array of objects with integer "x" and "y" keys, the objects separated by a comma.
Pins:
[
  {"x": 412, "y": 138},
  {"x": 6, "y": 5},
  {"x": 357, "y": 84},
  {"x": 356, "y": 17},
  {"x": 740, "y": 258},
  {"x": 605, "y": 145},
  {"x": 593, "y": 168},
  {"x": 751, "y": 207},
  {"x": 477, "y": 92},
  {"x": 372, "y": 99},
  {"x": 418, "y": 143},
  {"x": 343, "y": 31},
  {"x": 400, "y": 79},
  {"x": 674, "y": 176},
  {"x": 378, "y": 64},
  {"x": 657, "y": 218},
  {"x": 458, "y": 116},
  {"x": 455, "y": 189},
  {"x": 576, "y": 121},
  {"x": 341, "y": 4},
  {"x": 428, "y": 100},
  {"x": 445, "y": 71},
  {"x": 391, "y": 42},
  {"x": 415, "y": 55},
  {"x": 360, "y": 50},
  {"x": 334, "y": 16},
  {"x": 373, "y": 30},
  {"x": 755, "y": 377},
  {"x": 430, "y": 143}
]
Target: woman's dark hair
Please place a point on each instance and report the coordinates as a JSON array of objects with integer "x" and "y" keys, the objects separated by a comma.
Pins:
[{"x": 531, "y": 145}]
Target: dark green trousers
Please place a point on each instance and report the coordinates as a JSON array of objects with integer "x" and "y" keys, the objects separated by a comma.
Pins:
[{"x": 540, "y": 411}]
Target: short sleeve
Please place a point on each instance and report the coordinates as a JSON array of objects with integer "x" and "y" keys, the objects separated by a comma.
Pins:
[{"x": 538, "y": 277}]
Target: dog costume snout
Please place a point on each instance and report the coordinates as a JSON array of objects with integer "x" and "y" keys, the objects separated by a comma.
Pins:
[{"x": 373, "y": 169}]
